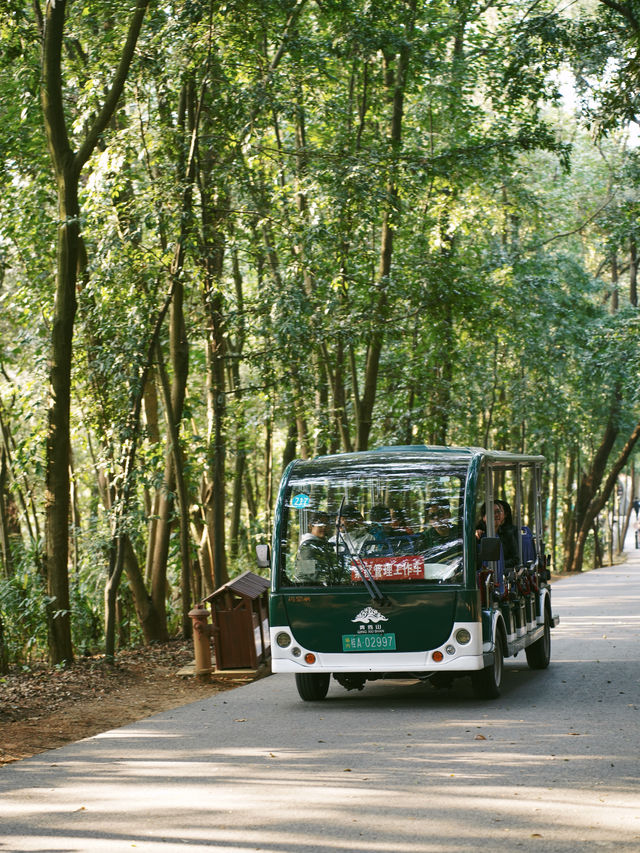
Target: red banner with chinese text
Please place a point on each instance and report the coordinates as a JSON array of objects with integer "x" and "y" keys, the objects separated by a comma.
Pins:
[{"x": 391, "y": 568}]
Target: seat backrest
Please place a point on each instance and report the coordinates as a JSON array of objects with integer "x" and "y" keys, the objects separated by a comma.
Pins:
[
  {"x": 499, "y": 580},
  {"x": 377, "y": 545},
  {"x": 528, "y": 545},
  {"x": 500, "y": 572}
]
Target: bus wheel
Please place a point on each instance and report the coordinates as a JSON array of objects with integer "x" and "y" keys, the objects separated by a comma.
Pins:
[
  {"x": 312, "y": 686},
  {"x": 539, "y": 653},
  {"x": 486, "y": 683}
]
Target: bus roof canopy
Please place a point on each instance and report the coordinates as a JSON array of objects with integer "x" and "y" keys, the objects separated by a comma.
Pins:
[{"x": 413, "y": 454}]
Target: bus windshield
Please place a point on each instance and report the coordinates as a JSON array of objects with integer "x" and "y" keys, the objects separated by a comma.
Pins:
[{"x": 391, "y": 526}]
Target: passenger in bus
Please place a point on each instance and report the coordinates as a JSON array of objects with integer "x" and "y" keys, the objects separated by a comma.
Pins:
[
  {"x": 380, "y": 532},
  {"x": 438, "y": 541},
  {"x": 401, "y": 536},
  {"x": 384, "y": 538},
  {"x": 504, "y": 529},
  {"x": 508, "y": 534},
  {"x": 316, "y": 560},
  {"x": 399, "y": 521}
]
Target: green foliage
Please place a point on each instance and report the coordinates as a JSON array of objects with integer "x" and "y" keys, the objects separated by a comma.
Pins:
[
  {"x": 22, "y": 605},
  {"x": 86, "y": 619},
  {"x": 607, "y": 64},
  {"x": 23, "y": 609},
  {"x": 496, "y": 320}
]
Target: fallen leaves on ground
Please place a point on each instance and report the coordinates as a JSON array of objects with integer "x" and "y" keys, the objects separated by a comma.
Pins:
[{"x": 43, "y": 708}]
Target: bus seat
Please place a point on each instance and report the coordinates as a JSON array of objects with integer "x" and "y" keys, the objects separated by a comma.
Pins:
[
  {"x": 402, "y": 543},
  {"x": 500, "y": 570},
  {"x": 500, "y": 573},
  {"x": 528, "y": 545}
]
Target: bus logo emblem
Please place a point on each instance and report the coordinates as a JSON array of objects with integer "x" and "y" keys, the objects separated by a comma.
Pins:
[{"x": 369, "y": 615}]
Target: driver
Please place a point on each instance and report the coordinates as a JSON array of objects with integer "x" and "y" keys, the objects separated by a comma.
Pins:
[
  {"x": 353, "y": 532},
  {"x": 316, "y": 560}
]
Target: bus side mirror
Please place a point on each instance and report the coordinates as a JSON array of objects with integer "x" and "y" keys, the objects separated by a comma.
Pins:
[
  {"x": 489, "y": 549},
  {"x": 263, "y": 554}
]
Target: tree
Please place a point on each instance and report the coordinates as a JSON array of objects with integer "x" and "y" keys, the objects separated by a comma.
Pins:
[{"x": 67, "y": 167}]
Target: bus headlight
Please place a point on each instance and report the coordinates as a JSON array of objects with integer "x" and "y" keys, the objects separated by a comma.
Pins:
[
  {"x": 463, "y": 636},
  {"x": 283, "y": 639}
]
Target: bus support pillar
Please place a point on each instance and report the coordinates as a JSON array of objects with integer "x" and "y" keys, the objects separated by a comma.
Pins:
[{"x": 201, "y": 639}]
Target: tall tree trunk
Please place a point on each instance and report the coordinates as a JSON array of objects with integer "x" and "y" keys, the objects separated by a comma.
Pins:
[
  {"x": 395, "y": 76},
  {"x": 569, "y": 510},
  {"x": 615, "y": 292},
  {"x": 554, "y": 505},
  {"x": 162, "y": 539},
  {"x": 268, "y": 470},
  {"x": 441, "y": 399},
  {"x": 236, "y": 504},
  {"x": 152, "y": 622},
  {"x": 58, "y": 447},
  {"x": 213, "y": 212},
  {"x": 598, "y": 560},
  {"x": 633, "y": 272},
  {"x": 5, "y": 538},
  {"x": 174, "y": 396},
  {"x": 200, "y": 534},
  {"x": 599, "y": 499},
  {"x": 319, "y": 352},
  {"x": 592, "y": 477},
  {"x": 289, "y": 452},
  {"x": 236, "y": 347},
  {"x": 627, "y": 515},
  {"x": 217, "y": 440},
  {"x": 4, "y": 651},
  {"x": 67, "y": 166},
  {"x": 152, "y": 501},
  {"x": 173, "y": 468},
  {"x": 252, "y": 503},
  {"x": 337, "y": 382},
  {"x": 27, "y": 504}
]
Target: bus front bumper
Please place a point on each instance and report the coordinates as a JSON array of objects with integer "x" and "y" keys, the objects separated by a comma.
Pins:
[{"x": 451, "y": 656}]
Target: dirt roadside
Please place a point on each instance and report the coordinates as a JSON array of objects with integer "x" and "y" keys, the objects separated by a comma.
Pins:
[{"x": 45, "y": 708}]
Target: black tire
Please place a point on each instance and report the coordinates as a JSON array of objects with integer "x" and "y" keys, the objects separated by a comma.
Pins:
[
  {"x": 312, "y": 686},
  {"x": 486, "y": 683},
  {"x": 539, "y": 653}
]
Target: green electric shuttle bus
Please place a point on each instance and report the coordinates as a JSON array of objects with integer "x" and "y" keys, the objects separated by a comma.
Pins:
[{"x": 408, "y": 562}]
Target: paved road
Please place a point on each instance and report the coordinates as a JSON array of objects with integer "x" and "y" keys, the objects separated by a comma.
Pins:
[{"x": 550, "y": 766}]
